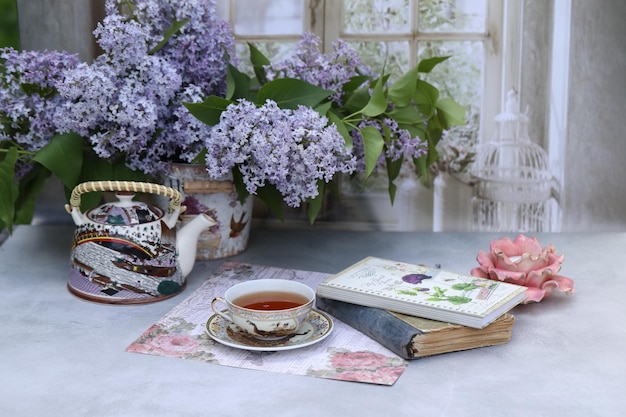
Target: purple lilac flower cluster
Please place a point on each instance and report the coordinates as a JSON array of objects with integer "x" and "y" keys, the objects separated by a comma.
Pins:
[
  {"x": 291, "y": 149},
  {"x": 129, "y": 101},
  {"x": 28, "y": 99},
  {"x": 329, "y": 71},
  {"x": 402, "y": 143},
  {"x": 202, "y": 49}
]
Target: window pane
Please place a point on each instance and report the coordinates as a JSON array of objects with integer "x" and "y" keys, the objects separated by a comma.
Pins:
[
  {"x": 275, "y": 51},
  {"x": 460, "y": 77},
  {"x": 452, "y": 15},
  {"x": 392, "y": 57},
  {"x": 268, "y": 17},
  {"x": 377, "y": 16}
]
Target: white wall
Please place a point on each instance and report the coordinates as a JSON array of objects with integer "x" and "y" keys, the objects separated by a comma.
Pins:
[
  {"x": 59, "y": 25},
  {"x": 594, "y": 186}
]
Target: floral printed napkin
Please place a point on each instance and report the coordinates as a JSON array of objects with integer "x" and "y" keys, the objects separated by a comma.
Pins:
[{"x": 346, "y": 354}]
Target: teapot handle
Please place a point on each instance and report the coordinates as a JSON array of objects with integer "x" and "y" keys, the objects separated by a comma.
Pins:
[{"x": 130, "y": 186}]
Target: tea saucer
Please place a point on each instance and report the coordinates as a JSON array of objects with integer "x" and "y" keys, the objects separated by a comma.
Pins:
[{"x": 314, "y": 329}]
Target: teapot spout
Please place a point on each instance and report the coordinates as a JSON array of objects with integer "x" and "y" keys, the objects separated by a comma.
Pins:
[{"x": 187, "y": 241}]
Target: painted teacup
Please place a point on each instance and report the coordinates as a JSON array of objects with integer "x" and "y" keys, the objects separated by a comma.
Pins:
[{"x": 267, "y": 309}]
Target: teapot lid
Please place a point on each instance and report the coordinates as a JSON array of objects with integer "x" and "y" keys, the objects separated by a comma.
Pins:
[{"x": 125, "y": 211}]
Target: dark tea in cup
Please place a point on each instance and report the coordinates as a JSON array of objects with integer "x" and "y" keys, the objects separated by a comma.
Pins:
[
  {"x": 271, "y": 300},
  {"x": 268, "y": 309}
]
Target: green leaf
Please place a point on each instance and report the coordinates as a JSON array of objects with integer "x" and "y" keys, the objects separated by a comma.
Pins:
[
  {"x": 392, "y": 189},
  {"x": 169, "y": 32},
  {"x": 333, "y": 188},
  {"x": 427, "y": 65},
  {"x": 435, "y": 130},
  {"x": 200, "y": 159},
  {"x": 95, "y": 169},
  {"x": 210, "y": 110},
  {"x": 258, "y": 61},
  {"x": 341, "y": 128},
  {"x": 122, "y": 173},
  {"x": 273, "y": 199},
  {"x": 44, "y": 92},
  {"x": 453, "y": 113},
  {"x": 240, "y": 187},
  {"x": 8, "y": 188},
  {"x": 288, "y": 93},
  {"x": 426, "y": 96},
  {"x": 373, "y": 143},
  {"x": 29, "y": 187},
  {"x": 393, "y": 170},
  {"x": 401, "y": 92},
  {"x": 407, "y": 115},
  {"x": 355, "y": 101},
  {"x": 377, "y": 103},
  {"x": 354, "y": 83},
  {"x": 324, "y": 108},
  {"x": 423, "y": 164},
  {"x": 315, "y": 204},
  {"x": 63, "y": 156},
  {"x": 416, "y": 130},
  {"x": 237, "y": 85}
]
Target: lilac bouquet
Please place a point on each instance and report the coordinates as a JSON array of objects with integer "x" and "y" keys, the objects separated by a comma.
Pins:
[
  {"x": 355, "y": 123},
  {"x": 166, "y": 89}
]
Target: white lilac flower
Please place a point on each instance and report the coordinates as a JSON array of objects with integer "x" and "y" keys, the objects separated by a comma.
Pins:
[{"x": 290, "y": 149}]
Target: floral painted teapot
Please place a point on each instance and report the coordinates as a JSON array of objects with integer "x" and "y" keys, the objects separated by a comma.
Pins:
[{"x": 121, "y": 252}]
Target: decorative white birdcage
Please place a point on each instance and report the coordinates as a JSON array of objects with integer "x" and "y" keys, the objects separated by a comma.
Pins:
[{"x": 515, "y": 189}]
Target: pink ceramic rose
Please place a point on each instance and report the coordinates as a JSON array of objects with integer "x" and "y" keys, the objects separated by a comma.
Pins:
[{"x": 524, "y": 262}]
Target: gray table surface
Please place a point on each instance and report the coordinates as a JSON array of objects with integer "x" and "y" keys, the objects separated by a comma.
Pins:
[{"x": 63, "y": 356}]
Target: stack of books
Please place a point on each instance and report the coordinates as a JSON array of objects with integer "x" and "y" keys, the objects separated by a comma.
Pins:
[{"x": 417, "y": 311}]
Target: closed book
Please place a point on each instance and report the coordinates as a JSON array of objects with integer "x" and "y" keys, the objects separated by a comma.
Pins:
[
  {"x": 414, "y": 337},
  {"x": 422, "y": 291}
]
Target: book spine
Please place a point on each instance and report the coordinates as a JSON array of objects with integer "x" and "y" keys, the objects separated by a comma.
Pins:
[{"x": 388, "y": 330}]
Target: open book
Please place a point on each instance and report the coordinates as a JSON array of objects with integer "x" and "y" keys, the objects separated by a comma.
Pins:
[{"x": 422, "y": 291}]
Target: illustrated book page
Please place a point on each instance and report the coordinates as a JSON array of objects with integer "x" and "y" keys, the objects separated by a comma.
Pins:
[{"x": 422, "y": 291}]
